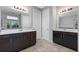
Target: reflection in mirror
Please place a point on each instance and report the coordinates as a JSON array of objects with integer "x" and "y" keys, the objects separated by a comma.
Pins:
[
  {"x": 68, "y": 20},
  {"x": 12, "y": 22},
  {"x": 10, "y": 19}
]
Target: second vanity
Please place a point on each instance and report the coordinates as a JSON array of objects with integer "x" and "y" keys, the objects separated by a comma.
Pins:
[
  {"x": 67, "y": 38},
  {"x": 16, "y": 40}
]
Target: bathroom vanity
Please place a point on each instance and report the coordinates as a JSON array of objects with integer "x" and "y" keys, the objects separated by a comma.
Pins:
[
  {"x": 14, "y": 32},
  {"x": 67, "y": 39},
  {"x": 65, "y": 32},
  {"x": 12, "y": 42}
]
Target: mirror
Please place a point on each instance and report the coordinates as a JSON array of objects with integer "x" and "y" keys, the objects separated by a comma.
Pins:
[
  {"x": 10, "y": 19},
  {"x": 68, "y": 20}
]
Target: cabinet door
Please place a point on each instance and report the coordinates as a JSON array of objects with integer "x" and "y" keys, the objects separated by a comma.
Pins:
[
  {"x": 29, "y": 38},
  {"x": 23, "y": 40},
  {"x": 5, "y": 43},
  {"x": 33, "y": 37},
  {"x": 70, "y": 40},
  {"x": 18, "y": 42},
  {"x": 57, "y": 37}
]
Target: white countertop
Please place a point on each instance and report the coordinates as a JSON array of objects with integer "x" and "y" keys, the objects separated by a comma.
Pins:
[
  {"x": 4, "y": 32},
  {"x": 67, "y": 30}
]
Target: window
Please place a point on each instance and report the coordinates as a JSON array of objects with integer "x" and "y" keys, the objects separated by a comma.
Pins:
[{"x": 12, "y": 22}]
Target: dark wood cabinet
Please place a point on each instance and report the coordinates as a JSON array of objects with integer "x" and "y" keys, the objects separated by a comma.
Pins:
[
  {"x": 17, "y": 42},
  {"x": 5, "y": 43},
  {"x": 57, "y": 37},
  {"x": 27, "y": 38},
  {"x": 70, "y": 40},
  {"x": 66, "y": 39},
  {"x": 33, "y": 38}
]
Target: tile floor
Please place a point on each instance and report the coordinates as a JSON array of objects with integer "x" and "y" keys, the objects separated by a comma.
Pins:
[{"x": 45, "y": 46}]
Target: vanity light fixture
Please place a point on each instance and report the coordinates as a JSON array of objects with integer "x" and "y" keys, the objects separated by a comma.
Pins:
[
  {"x": 65, "y": 10},
  {"x": 21, "y": 9}
]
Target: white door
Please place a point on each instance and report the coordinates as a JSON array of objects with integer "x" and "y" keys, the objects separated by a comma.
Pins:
[
  {"x": 45, "y": 24},
  {"x": 26, "y": 21},
  {"x": 0, "y": 19},
  {"x": 37, "y": 21}
]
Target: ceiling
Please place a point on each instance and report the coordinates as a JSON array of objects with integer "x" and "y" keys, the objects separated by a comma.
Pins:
[{"x": 41, "y": 7}]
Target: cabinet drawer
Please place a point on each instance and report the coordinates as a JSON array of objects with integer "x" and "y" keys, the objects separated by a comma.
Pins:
[{"x": 4, "y": 36}]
